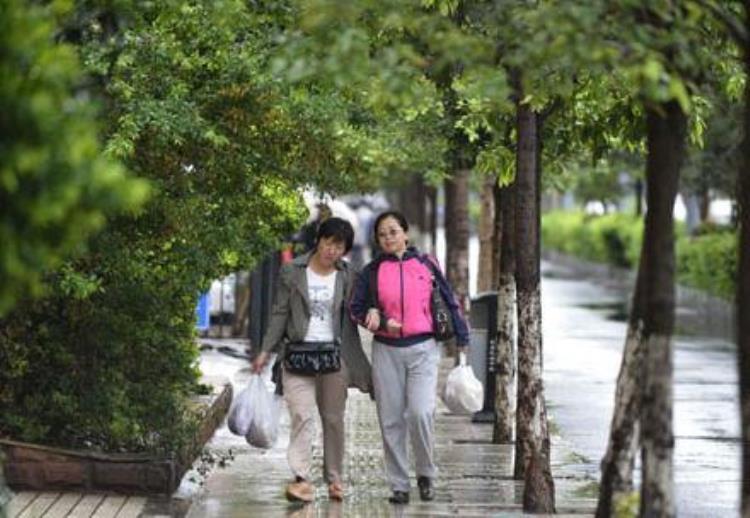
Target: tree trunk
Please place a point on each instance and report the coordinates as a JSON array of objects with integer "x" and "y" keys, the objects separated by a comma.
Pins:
[
  {"x": 411, "y": 200},
  {"x": 242, "y": 296},
  {"x": 743, "y": 287},
  {"x": 647, "y": 358},
  {"x": 460, "y": 157},
  {"x": 666, "y": 134},
  {"x": 5, "y": 494},
  {"x": 486, "y": 224},
  {"x": 432, "y": 218},
  {"x": 644, "y": 385},
  {"x": 497, "y": 238},
  {"x": 639, "y": 197},
  {"x": 420, "y": 203},
  {"x": 532, "y": 459},
  {"x": 457, "y": 232},
  {"x": 704, "y": 202},
  {"x": 505, "y": 376},
  {"x": 617, "y": 465}
]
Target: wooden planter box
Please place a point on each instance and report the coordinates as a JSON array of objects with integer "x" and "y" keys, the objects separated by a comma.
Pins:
[{"x": 36, "y": 467}]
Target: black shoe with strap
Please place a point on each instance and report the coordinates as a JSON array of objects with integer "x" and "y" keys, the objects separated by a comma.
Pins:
[
  {"x": 399, "y": 497},
  {"x": 426, "y": 491}
]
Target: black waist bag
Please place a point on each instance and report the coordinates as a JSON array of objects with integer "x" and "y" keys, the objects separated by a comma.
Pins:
[{"x": 312, "y": 358}]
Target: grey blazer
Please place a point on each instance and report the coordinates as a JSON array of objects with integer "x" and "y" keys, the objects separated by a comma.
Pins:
[{"x": 290, "y": 317}]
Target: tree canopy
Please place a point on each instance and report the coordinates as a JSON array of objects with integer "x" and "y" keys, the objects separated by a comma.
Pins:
[{"x": 56, "y": 187}]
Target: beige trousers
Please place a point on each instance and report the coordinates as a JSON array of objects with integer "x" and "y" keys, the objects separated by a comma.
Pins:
[{"x": 305, "y": 395}]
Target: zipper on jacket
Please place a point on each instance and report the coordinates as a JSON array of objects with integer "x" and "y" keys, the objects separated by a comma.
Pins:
[{"x": 401, "y": 273}]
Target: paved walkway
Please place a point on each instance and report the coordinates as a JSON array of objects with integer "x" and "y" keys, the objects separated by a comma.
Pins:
[
  {"x": 475, "y": 477},
  {"x": 583, "y": 346},
  {"x": 583, "y": 340},
  {"x": 32, "y": 504},
  {"x": 584, "y": 332}
]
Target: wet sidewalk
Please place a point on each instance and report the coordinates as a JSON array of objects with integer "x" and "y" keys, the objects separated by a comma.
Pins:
[
  {"x": 584, "y": 321},
  {"x": 475, "y": 475},
  {"x": 584, "y": 332}
]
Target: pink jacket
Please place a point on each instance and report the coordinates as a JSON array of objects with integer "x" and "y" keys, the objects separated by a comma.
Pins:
[
  {"x": 404, "y": 289},
  {"x": 403, "y": 294}
]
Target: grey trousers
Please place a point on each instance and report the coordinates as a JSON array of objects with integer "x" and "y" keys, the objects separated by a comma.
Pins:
[
  {"x": 305, "y": 396},
  {"x": 405, "y": 382}
]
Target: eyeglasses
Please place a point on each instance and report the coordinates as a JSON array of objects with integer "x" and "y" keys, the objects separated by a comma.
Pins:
[{"x": 392, "y": 233}]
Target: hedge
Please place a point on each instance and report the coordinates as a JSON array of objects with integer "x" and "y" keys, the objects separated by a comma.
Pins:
[{"x": 707, "y": 261}]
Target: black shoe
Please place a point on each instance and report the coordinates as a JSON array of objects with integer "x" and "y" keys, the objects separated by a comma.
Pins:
[
  {"x": 426, "y": 491},
  {"x": 399, "y": 497}
]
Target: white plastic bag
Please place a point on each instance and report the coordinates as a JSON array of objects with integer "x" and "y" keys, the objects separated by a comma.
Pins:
[
  {"x": 264, "y": 421},
  {"x": 463, "y": 393},
  {"x": 241, "y": 412}
]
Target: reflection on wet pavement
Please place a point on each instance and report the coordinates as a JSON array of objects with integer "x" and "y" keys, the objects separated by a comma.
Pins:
[{"x": 583, "y": 348}]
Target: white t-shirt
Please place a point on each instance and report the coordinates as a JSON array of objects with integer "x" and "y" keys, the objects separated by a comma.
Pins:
[{"x": 320, "y": 290}]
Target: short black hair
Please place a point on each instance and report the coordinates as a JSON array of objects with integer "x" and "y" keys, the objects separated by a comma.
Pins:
[
  {"x": 339, "y": 229},
  {"x": 389, "y": 214}
]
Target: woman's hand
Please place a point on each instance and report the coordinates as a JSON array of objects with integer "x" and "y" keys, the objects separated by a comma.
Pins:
[
  {"x": 393, "y": 326},
  {"x": 259, "y": 362},
  {"x": 372, "y": 320}
]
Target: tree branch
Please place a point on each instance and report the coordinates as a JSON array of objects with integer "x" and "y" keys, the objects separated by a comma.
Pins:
[
  {"x": 551, "y": 108},
  {"x": 733, "y": 24}
]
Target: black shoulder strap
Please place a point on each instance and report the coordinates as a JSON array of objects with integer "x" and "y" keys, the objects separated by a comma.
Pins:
[
  {"x": 427, "y": 261},
  {"x": 373, "y": 283}
]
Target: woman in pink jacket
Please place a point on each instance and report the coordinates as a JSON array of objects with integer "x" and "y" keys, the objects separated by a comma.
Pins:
[{"x": 392, "y": 299}]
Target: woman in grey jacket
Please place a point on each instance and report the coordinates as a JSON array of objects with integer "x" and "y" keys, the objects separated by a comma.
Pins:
[{"x": 309, "y": 309}]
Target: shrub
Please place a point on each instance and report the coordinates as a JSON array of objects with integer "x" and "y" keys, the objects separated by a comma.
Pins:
[
  {"x": 108, "y": 358},
  {"x": 707, "y": 261},
  {"x": 612, "y": 238}
]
